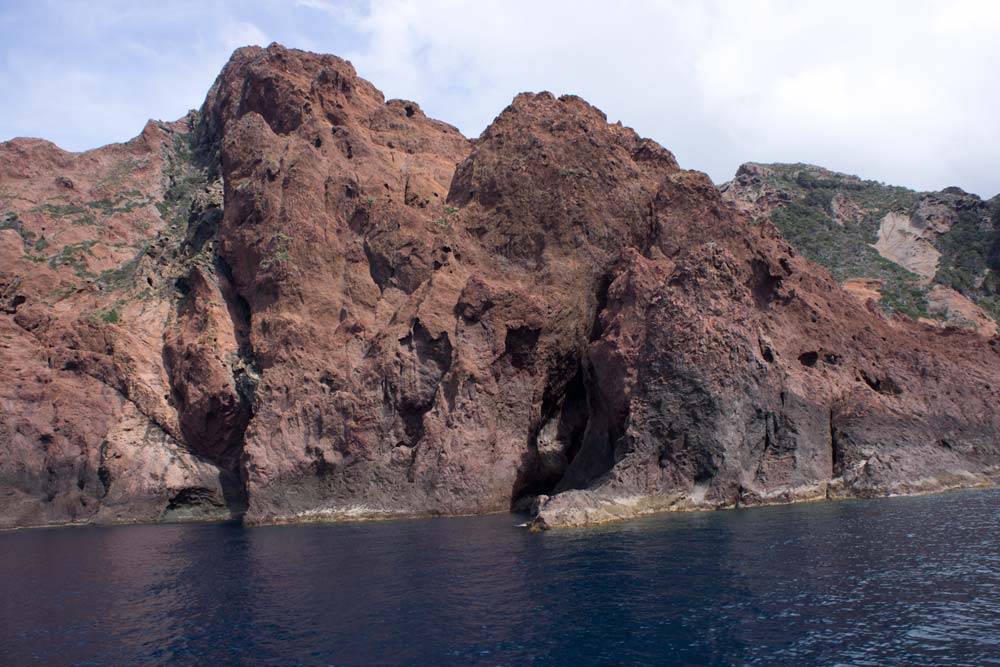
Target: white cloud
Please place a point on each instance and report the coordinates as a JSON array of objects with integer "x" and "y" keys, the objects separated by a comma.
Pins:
[
  {"x": 328, "y": 6},
  {"x": 234, "y": 34},
  {"x": 904, "y": 92},
  {"x": 83, "y": 78}
]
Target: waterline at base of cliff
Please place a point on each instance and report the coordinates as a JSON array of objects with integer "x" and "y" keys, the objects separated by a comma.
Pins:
[{"x": 909, "y": 580}]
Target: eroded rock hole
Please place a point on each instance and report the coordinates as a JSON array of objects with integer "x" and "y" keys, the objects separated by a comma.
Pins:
[
  {"x": 555, "y": 441},
  {"x": 18, "y": 300},
  {"x": 192, "y": 498},
  {"x": 883, "y": 385},
  {"x": 104, "y": 475},
  {"x": 428, "y": 358},
  {"x": 809, "y": 359},
  {"x": 519, "y": 346},
  {"x": 379, "y": 267},
  {"x": 359, "y": 220},
  {"x": 764, "y": 285},
  {"x": 575, "y": 440},
  {"x": 601, "y": 302}
]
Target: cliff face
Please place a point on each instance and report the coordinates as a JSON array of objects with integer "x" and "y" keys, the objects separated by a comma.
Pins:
[
  {"x": 307, "y": 303},
  {"x": 91, "y": 249},
  {"x": 934, "y": 256}
]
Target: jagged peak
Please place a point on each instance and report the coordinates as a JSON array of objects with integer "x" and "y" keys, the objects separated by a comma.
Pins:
[
  {"x": 572, "y": 113},
  {"x": 575, "y": 308},
  {"x": 32, "y": 144}
]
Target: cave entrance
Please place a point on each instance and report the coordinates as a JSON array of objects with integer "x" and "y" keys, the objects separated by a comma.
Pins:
[{"x": 572, "y": 445}]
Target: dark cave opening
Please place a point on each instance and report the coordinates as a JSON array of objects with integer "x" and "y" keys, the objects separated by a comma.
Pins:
[{"x": 572, "y": 445}]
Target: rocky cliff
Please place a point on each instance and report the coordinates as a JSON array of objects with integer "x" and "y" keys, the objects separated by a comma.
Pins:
[
  {"x": 932, "y": 255},
  {"x": 304, "y": 302}
]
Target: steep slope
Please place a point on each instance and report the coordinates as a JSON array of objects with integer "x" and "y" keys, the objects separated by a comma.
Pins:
[
  {"x": 92, "y": 420},
  {"x": 931, "y": 255},
  {"x": 373, "y": 316}
]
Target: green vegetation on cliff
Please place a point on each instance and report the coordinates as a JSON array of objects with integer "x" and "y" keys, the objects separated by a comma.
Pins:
[{"x": 834, "y": 219}]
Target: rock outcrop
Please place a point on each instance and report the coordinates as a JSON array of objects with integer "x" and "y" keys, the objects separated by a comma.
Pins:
[
  {"x": 307, "y": 303},
  {"x": 931, "y": 255},
  {"x": 93, "y": 425},
  {"x": 906, "y": 244}
]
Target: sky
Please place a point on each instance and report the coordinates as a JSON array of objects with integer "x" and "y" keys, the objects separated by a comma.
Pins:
[{"x": 906, "y": 93}]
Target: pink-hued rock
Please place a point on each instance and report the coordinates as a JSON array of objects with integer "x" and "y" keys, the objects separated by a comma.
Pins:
[{"x": 373, "y": 316}]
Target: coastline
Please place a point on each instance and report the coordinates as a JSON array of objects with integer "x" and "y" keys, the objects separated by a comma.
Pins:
[{"x": 558, "y": 512}]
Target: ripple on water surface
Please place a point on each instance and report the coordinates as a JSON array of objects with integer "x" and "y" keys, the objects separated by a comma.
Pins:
[{"x": 912, "y": 581}]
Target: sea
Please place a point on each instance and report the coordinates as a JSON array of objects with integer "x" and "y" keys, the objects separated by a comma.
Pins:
[{"x": 894, "y": 581}]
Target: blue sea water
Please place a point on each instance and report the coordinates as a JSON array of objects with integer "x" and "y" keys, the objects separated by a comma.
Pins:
[{"x": 902, "y": 581}]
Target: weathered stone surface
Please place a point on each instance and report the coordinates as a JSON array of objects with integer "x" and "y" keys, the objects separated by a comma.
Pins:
[
  {"x": 955, "y": 309},
  {"x": 905, "y": 243},
  {"x": 90, "y": 248},
  {"x": 371, "y": 315},
  {"x": 930, "y": 255}
]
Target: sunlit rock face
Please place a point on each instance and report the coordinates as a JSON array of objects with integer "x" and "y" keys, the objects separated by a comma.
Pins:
[
  {"x": 934, "y": 256},
  {"x": 307, "y": 303}
]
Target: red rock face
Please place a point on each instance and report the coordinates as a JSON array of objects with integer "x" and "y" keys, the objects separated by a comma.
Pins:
[
  {"x": 89, "y": 249},
  {"x": 379, "y": 317}
]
